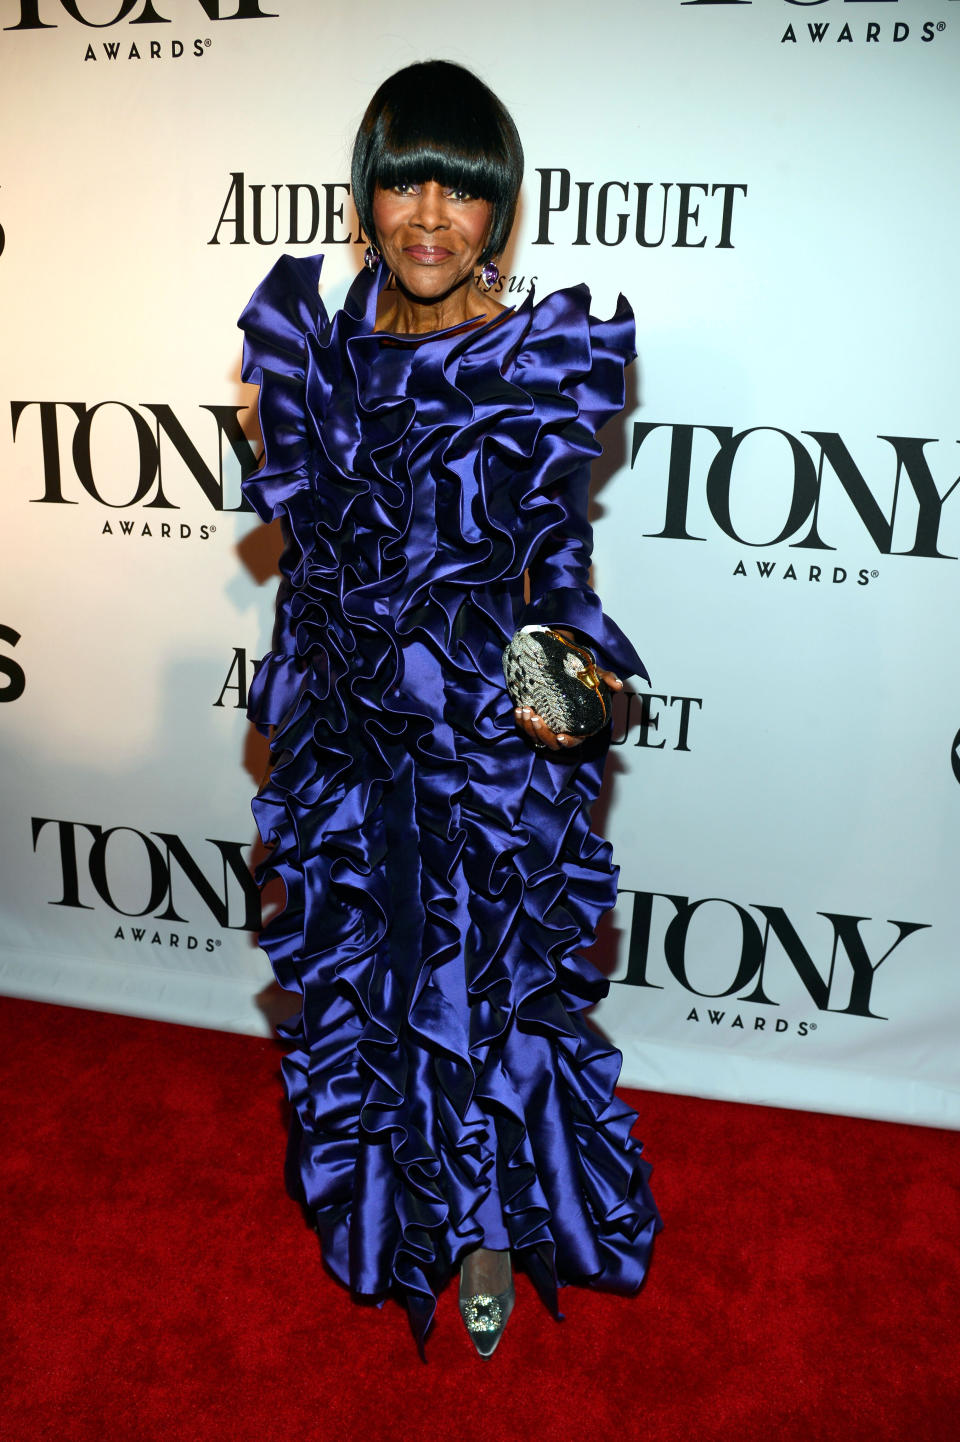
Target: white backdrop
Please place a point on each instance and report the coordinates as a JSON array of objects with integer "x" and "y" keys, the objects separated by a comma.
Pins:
[{"x": 772, "y": 186}]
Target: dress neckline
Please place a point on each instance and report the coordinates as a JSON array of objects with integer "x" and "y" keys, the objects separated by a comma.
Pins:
[
  {"x": 471, "y": 327},
  {"x": 365, "y": 304}
]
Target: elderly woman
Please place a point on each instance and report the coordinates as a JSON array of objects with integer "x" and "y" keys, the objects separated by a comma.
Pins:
[{"x": 428, "y": 452}]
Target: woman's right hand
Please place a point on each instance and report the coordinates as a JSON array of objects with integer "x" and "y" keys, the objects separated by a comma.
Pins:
[{"x": 539, "y": 732}]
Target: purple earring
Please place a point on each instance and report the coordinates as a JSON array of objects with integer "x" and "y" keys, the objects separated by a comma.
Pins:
[
  {"x": 371, "y": 257},
  {"x": 489, "y": 275}
]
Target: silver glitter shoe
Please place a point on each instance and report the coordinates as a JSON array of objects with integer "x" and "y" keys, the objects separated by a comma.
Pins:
[{"x": 485, "y": 1315}]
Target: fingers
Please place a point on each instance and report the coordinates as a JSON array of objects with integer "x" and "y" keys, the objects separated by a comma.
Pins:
[
  {"x": 539, "y": 732},
  {"x": 610, "y": 679}
]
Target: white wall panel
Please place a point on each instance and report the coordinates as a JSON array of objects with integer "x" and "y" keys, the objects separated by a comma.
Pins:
[{"x": 796, "y": 761}]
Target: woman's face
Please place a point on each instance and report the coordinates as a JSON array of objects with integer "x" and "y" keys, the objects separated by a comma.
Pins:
[{"x": 430, "y": 235}]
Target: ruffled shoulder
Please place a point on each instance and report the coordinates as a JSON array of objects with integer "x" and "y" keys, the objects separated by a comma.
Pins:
[
  {"x": 569, "y": 366},
  {"x": 567, "y": 352},
  {"x": 284, "y": 310}
]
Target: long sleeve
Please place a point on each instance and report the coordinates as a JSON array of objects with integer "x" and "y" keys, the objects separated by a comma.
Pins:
[
  {"x": 283, "y": 311},
  {"x": 560, "y": 590},
  {"x": 591, "y": 388}
]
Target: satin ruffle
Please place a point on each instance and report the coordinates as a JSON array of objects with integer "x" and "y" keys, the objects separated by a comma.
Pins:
[{"x": 440, "y": 877}]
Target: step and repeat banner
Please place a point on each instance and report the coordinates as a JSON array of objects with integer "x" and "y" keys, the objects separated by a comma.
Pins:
[{"x": 777, "y": 512}]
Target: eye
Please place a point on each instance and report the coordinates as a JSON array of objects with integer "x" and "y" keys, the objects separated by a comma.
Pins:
[
  {"x": 404, "y": 187},
  {"x": 457, "y": 192}
]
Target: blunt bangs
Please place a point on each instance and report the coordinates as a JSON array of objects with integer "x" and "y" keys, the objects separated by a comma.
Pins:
[{"x": 438, "y": 121}]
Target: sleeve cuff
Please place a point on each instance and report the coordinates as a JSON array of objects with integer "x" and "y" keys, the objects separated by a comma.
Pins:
[{"x": 581, "y": 611}]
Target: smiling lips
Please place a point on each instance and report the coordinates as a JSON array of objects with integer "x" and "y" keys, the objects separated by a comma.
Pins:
[{"x": 427, "y": 254}]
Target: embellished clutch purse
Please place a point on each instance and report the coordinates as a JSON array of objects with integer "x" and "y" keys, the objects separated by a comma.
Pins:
[{"x": 557, "y": 679}]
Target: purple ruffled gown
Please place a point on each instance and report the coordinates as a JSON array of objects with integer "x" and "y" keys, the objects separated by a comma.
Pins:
[{"x": 441, "y": 877}]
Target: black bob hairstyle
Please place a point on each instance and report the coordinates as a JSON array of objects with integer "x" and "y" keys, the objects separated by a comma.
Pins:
[{"x": 437, "y": 121}]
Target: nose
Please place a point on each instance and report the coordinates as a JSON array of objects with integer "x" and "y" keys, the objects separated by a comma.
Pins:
[{"x": 430, "y": 213}]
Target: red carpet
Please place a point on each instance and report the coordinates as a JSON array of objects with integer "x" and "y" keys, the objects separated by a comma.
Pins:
[{"x": 159, "y": 1284}]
